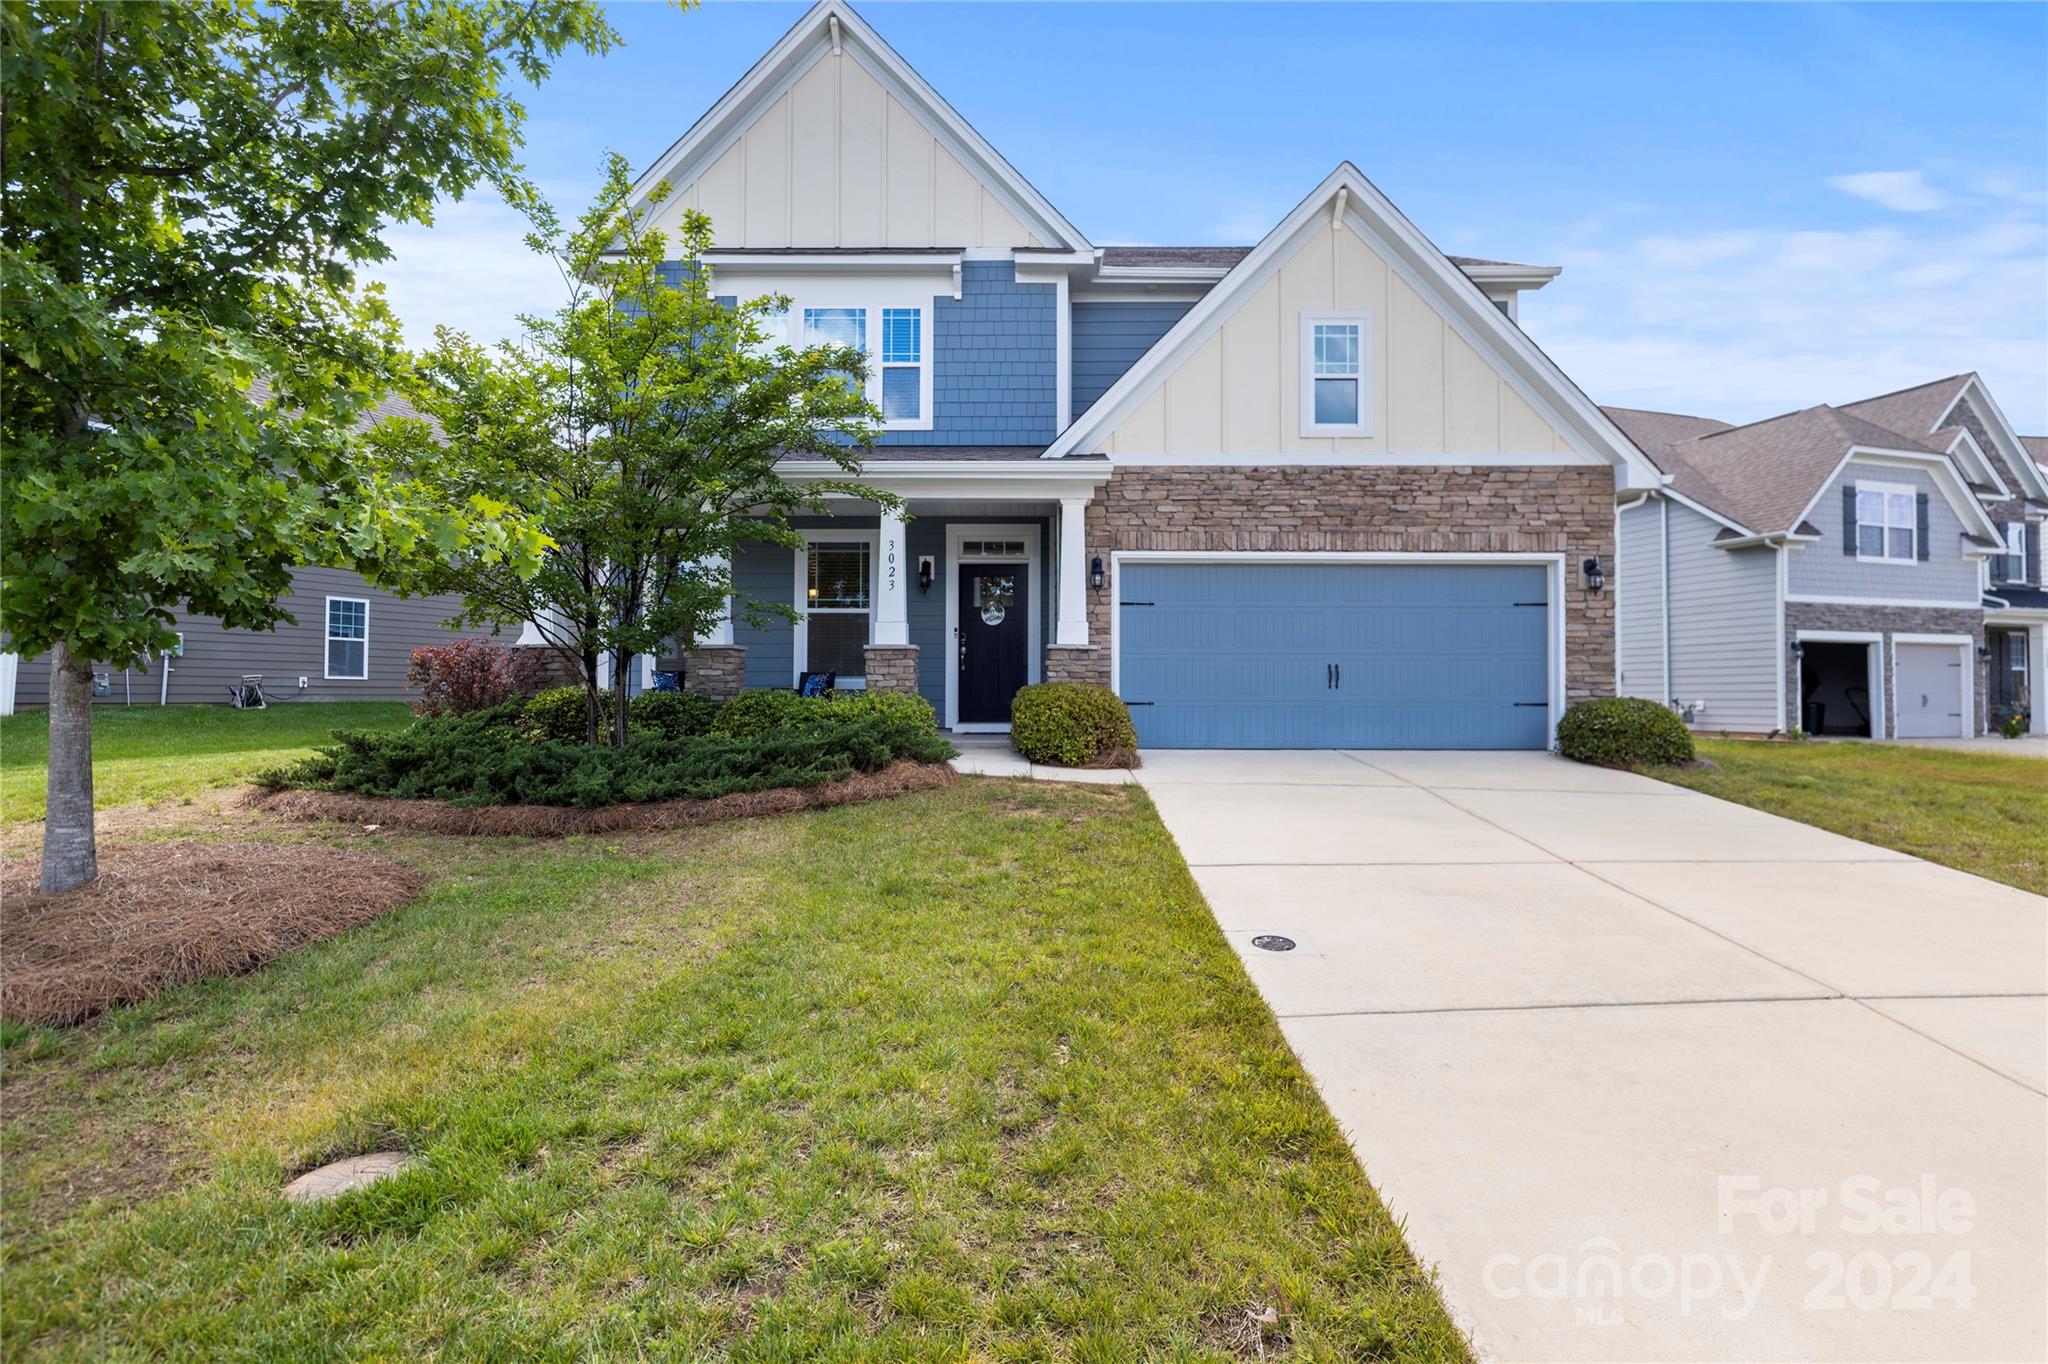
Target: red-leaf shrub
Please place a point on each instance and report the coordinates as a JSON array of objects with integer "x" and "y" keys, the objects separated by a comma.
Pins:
[{"x": 471, "y": 674}]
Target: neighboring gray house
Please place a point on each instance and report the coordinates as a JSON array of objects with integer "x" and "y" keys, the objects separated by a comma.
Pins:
[
  {"x": 1872, "y": 569},
  {"x": 350, "y": 642}
]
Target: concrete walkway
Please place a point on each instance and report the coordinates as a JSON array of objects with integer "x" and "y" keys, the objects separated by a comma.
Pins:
[{"x": 1631, "y": 1061}]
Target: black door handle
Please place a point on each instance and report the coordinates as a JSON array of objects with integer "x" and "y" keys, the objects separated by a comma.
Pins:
[
  {"x": 1329, "y": 676},
  {"x": 1340, "y": 675}
]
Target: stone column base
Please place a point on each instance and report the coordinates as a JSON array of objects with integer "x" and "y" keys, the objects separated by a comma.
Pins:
[
  {"x": 892, "y": 667},
  {"x": 718, "y": 671},
  {"x": 1077, "y": 663}
]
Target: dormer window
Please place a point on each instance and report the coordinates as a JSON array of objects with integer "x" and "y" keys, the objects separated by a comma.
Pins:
[
  {"x": 1887, "y": 522},
  {"x": 1334, "y": 398}
]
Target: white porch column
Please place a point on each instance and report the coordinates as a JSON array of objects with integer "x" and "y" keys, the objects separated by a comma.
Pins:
[
  {"x": 720, "y": 633},
  {"x": 1071, "y": 630},
  {"x": 2037, "y": 678},
  {"x": 892, "y": 596}
]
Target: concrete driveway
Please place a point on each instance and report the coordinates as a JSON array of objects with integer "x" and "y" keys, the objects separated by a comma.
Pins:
[{"x": 1650, "y": 1076}]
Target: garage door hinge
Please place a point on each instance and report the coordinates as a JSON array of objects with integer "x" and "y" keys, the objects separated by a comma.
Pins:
[
  {"x": 1532, "y": 703},
  {"x": 1137, "y": 703},
  {"x": 1532, "y": 603},
  {"x": 1134, "y": 603}
]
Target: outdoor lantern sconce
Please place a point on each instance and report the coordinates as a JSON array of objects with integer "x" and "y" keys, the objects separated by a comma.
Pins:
[
  {"x": 1983, "y": 653},
  {"x": 1798, "y": 649},
  {"x": 1595, "y": 579},
  {"x": 1095, "y": 579},
  {"x": 924, "y": 572}
]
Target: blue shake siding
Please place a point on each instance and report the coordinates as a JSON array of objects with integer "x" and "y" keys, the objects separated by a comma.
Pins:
[{"x": 994, "y": 352}]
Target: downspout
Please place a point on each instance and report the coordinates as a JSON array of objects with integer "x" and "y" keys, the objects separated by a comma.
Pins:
[{"x": 1664, "y": 595}]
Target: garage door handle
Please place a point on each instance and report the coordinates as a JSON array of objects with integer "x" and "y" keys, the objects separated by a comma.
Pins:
[
  {"x": 1329, "y": 676},
  {"x": 1339, "y": 667}
]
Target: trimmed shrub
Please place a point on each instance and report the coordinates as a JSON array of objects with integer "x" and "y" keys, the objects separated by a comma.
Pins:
[
  {"x": 471, "y": 674},
  {"x": 671, "y": 714},
  {"x": 492, "y": 764},
  {"x": 752, "y": 714},
  {"x": 562, "y": 715},
  {"x": 1624, "y": 731},
  {"x": 908, "y": 707},
  {"x": 1073, "y": 724}
]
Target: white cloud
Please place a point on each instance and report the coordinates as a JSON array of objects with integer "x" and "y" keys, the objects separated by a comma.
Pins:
[
  {"x": 1902, "y": 191},
  {"x": 1742, "y": 324},
  {"x": 471, "y": 271}
]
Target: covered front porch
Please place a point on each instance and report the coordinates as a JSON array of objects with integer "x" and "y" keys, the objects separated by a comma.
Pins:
[
  {"x": 2016, "y": 642},
  {"x": 977, "y": 587}
]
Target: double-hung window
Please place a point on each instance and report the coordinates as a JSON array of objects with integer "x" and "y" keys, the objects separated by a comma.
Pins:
[
  {"x": 838, "y": 606},
  {"x": 348, "y": 638},
  {"x": 2013, "y": 563},
  {"x": 899, "y": 381},
  {"x": 1887, "y": 521},
  {"x": 1334, "y": 370},
  {"x": 902, "y": 364},
  {"x": 837, "y": 327}
]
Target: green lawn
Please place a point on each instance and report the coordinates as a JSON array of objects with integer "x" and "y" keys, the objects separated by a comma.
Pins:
[
  {"x": 1981, "y": 812},
  {"x": 150, "y": 753},
  {"x": 970, "y": 1074}
]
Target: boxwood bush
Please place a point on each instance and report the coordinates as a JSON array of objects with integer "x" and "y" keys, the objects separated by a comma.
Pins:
[
  {"x": 752, "y": 714},
  {"x": 1624, "y": 731},
  {"x": 486, "y": 759},
  {"x": 674, "y": 714},
  {"x": 1072, "y": 724},
  {"x": 560, "y": 715}
]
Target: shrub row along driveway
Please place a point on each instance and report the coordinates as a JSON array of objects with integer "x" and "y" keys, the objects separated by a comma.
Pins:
[{"x": 1554, "y": 1006}]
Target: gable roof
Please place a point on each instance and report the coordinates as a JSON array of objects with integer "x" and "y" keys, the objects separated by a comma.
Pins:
[
  {"x": 2037, "y": 446},
  {"x": 1919, "y": 410},
  {"x": 832, "y": 25},
  {"x": 1912, "y": 411},
  {"x": 1223, "y": 257},
  {"x": 1462, "y": 304}
]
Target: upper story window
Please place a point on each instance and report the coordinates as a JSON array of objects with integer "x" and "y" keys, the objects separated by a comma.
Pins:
[
  {"x": 1334, "y": 372},
  {"x": 902, "y": 364},
  {"x": 894, "y": 340},
  {"x": 2011, "y": 566},
  {"x": 1887, "y": 522},
  {"x": 348, "y": 638}
]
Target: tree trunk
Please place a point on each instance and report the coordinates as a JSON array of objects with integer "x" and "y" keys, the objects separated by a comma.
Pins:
[
  {"x": 70, "y": 858},
  {"x": 593, "y": 712},
  {"x": 621, "y": 661}
]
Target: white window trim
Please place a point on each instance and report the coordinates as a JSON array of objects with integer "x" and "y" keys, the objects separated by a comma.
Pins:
[
  {"x": 1034, "y": 670},
  {"x": 870, "y": 293},
  {"x": 2017, "y": 531},
  {"x": 1912, "y": 527},
  {"x": 800, "y": 643},
  {"x": 1310, "y": 318},
  {"x": 327, "y": 646}
]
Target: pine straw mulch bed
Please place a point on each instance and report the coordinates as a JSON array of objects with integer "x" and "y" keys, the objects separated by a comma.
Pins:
[
  {"x": 900, "y": 778},
  {"x": 165, "y": 914}
]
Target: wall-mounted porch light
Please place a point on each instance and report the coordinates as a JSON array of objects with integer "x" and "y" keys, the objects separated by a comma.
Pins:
[
  {"x": 1095, "y": 578},
  {"x": 924, "y": 572},
  {"x": 1798, "y": 649},
  {"x": 1983, "y": 653},
  {"x": 1595, "y": 579}
]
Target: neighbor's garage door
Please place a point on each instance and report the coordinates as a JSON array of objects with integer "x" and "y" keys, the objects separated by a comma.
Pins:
[
  {"x": 1929, "y": 678},
  {"x": 1308, "y": 655}
]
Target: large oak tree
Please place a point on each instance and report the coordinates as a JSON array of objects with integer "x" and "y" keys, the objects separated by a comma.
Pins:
[{"x": 190, "y": 190}]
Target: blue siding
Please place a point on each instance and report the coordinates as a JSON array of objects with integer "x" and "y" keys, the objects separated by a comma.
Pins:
[
  {"x": 1109, "y": 338},
  {"x": 995, "y": 358},
  {"x": 765, "y": 573},
  {"x": 1239, "y": 655}
]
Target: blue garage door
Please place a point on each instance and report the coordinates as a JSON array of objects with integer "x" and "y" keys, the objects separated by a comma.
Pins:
[{"x": 1303, "y": 655}]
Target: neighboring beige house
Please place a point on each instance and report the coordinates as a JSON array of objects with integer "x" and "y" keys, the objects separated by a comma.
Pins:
[{"x": 1870, "y": 569}]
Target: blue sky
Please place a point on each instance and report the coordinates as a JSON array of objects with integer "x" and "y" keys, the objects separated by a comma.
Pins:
[{"x": 1758, "y": 207}]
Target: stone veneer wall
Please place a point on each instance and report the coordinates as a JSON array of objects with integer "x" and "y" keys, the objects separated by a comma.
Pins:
[
  {"x": 1889, "y": 620},
  {"x": 891, "y": 667},
  {"x": 718, "y": 671},
  {"x": 1446, "y": 509}
]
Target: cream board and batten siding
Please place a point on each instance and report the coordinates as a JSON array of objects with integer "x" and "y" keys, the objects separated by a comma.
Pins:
[
  {"x": 1639, "y": 620},
  {"x": 837, "y": 160},
  {"x": 1823, "y": 570},
  {"x": 1432, "y": 396},
  {"x": 1724, "y": 627}
]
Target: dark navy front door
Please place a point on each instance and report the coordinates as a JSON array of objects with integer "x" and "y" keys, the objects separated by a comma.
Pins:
[
  {"x": 1333, "y": 655},
  {"x": 995, "y": 640}
]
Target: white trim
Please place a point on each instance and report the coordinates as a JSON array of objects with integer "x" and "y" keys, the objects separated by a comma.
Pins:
[
  {"x": 329, "y": 637},
  {"x": 1464, "y": 307},
  {"x": 1887, "y": 491},
  {"x": 1664, "y": 555},
  {"x": 872, "y": 299},
  {"x": 1034, "y": 665},
  {"x": 1359, "y": 320},
  {"x": 2015, "y": 453},
  {"x": 1555, "y": 587},
  {"x": 1145, "y": 293},
  {"x": 1907, "y": 637},
  {"x": 1874, "y": 668},
  {"x": 1938, "y": 467},
  {"x": 938, "y": 264},
  {"x": 832, "y": 29},
  {"x": 1063, "y": 353},
  {"x": 2000, "y": 492},
  {"x": 800, "y": 596},
  {"x": 1808, "y": 599},
  {"x": 1317, "y": 459},
  {"x": 1781, "y": 591}
]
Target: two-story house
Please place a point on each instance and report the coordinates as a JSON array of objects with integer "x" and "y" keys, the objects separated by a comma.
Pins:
[
  {"x": 1321, "y": 490},
  {"x": 1872, "y": 569}
]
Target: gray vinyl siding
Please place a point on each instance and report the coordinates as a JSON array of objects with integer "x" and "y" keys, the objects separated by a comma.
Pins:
[
  {"x": 1639, "y": 602},
  {"x": 215, "y": 658},
  {"x": 1109, "y": 338},
  {"x": 1724, "y": 627},
  {"x": 1823, "y": 570}
]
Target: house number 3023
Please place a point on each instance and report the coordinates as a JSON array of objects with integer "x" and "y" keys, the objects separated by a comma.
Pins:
[{"x": 889, "y": 566}]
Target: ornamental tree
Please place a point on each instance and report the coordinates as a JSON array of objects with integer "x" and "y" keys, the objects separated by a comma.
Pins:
[
  {"x": 189, "y": 192},
  {"x": 640, "y": 427}
]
